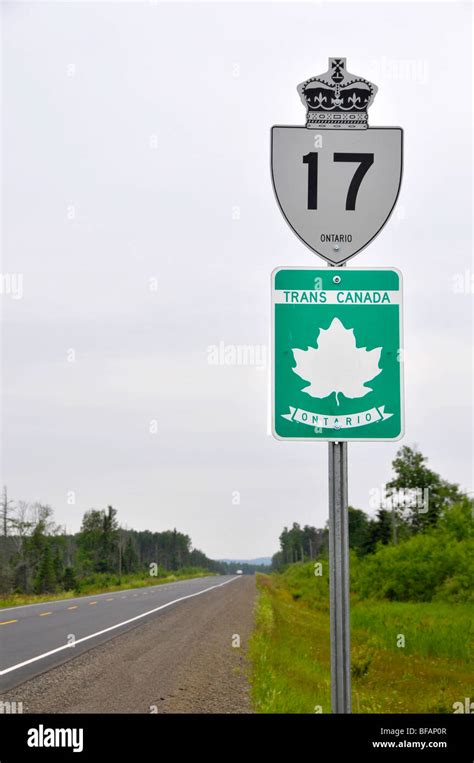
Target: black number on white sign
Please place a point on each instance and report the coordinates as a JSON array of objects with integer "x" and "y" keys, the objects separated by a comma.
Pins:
[{"x": 365, "y": 162}]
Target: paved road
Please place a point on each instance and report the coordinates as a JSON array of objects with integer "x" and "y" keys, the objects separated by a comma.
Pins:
[{"x": 37, "y": 637}]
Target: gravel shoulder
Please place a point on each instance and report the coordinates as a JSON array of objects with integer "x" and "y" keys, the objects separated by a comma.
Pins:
[{"x": 181, "y": 661}]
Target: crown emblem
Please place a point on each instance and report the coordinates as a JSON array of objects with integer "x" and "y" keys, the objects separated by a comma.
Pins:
[{"x": 337, "y": 98}]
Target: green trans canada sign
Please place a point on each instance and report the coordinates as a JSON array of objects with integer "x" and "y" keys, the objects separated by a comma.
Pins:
[{"x": 337, "y": 354}]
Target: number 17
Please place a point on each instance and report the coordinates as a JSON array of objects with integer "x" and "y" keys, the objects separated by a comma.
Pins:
[{"x": 311, "y": 159}]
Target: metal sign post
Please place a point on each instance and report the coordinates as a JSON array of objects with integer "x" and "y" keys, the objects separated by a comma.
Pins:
[
  {"x": 339, "y": 579},
  {"x": 336, "y": 346}
]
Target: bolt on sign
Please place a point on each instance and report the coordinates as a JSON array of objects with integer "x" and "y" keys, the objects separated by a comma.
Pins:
[
  {"x": 336, "y": 179},
  {"x": 337, "y": 354}
]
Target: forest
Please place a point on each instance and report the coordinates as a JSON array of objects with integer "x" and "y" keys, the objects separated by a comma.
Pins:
[
  {"x": 38, "y": 557},
  {"x": 411, "y": 596},
  {"x": 418, "y": 546}
]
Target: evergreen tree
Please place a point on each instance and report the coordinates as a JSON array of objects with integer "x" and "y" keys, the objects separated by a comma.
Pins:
[
  {"x": 380, "y": 530},
  {"x": 45, "y": 579},
  {"x": 69, "y": 579},
  {"x": 58, "y": 564},
  {"x": 130, "y": 557},
  {"x": 359, "y": 530}
]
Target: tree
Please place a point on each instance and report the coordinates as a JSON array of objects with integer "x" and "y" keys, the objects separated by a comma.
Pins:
[
  {"x": 130, "y": 557},
  {"x": 109, "y": 541},
  {"x": 315, "y": 542},
  {"x": 38, "y": 555},
  {"x": 5, "y": 506},
  {"x": 58, "y": 563},
  {"x": 69, "y": 579},
  {"x": 359, "y": 530},
  {"x": 277, "y": 561},
  {"x": 291, "y": 543},
  {"x": 98, "y": 541},
  {"x": 32, "y": 525},
  {"x": 46, "y": 579},
  {"x": 430, "y": 493},
  {"x": 89, "y": 540},
  {"x": 22, "y": 523},
  {"x": 379, "y": 530},
  {"x": 298, "y": 544},
  {"x": 21, "y": 577},
  {"x": 34, "y": 547},
  {"x": 432, "y": 565}
]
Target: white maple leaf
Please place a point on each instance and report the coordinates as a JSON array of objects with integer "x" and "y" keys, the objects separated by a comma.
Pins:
[{"x": 336, "y": 364}]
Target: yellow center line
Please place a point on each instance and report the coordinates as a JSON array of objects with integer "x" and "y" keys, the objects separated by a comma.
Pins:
[
  {"x": 92, "y": 602},
  {"x": 43, "y": 614},
  {"x": 7, "y": 622},
  {"x": 109, "y": 599},
  {"x": 74, "y": 607}
]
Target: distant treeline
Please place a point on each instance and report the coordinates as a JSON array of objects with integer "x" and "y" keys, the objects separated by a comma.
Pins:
[
  {"x": 37, "y": 556},
  {"x": 245, "y": 567}
]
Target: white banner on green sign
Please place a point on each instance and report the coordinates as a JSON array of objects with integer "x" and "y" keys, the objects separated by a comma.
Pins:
[
  {"x": 318, "y": 296},
  {"x": 360, "y": 419}
]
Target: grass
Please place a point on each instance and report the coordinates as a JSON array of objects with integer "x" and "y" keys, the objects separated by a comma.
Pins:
[
  {"x": 430, "y": 629},
  {"x": 103, "y": 584},
  {"x": 290, "y": 656}
]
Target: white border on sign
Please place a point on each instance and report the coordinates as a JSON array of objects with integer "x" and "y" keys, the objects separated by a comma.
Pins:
[{"x": 335, "y": 269}]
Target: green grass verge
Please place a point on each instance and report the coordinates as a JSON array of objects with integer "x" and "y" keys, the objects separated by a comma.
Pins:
[
  {"x": 289, "y": 650},
  {"x": 104, "y": 584}
]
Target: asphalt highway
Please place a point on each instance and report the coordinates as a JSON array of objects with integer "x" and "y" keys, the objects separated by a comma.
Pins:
[{"x": 37, "y": 637}]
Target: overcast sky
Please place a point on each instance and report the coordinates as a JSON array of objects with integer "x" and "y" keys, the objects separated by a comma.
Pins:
[{"x": 136, "y": 147}]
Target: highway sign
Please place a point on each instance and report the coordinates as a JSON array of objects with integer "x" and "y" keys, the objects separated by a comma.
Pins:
[
  {"x": 337, "y": 354},
  {"x": 336, "y": 180},
  {"x": 337, "y": 334}
]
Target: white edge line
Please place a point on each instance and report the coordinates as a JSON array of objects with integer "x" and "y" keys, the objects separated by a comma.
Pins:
[{"x": 113, "y": 627}]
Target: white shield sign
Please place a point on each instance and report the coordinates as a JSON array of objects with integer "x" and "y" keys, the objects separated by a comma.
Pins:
[{"x": 336, "y": 187}]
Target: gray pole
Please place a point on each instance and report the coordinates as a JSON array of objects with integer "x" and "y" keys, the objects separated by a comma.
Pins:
[
  {"x": 339, "y": 579},
  {"x": 340, "y": 629}
]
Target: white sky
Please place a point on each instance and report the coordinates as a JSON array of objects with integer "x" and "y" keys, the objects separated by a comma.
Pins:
[{"x": 89, "y": 90}]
